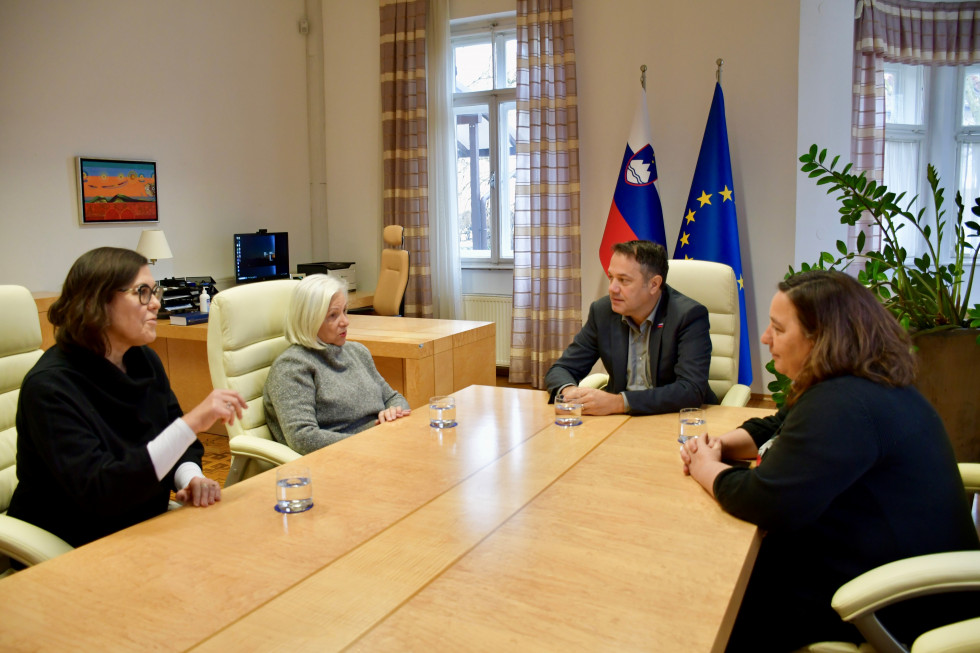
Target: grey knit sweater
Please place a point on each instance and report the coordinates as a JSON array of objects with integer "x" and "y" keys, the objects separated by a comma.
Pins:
[{"x": 313, "y": 398}]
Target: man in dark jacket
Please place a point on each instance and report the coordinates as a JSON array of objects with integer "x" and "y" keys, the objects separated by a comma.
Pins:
[{"x": 653, "y": 342}]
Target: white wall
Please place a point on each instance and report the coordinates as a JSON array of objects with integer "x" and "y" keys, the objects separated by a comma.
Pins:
[
  {"x": 214, "y": 92},
  {"x": 352, "y": 63},
  {"x": 825, "y": 64}
]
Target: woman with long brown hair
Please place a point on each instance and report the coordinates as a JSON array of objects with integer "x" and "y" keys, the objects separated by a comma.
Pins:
[{"x": 853, "y": 472}]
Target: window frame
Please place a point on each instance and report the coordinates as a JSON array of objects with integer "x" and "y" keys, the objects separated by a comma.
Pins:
[
  {"x": 497, "y": 32},
  {"x": 941, "y": 137},
  {"x": 920, "y": 134},
  {"x": 964, "y": 135}
]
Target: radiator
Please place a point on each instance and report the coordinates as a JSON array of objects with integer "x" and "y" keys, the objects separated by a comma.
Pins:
[{"x": 498, "y": 309}]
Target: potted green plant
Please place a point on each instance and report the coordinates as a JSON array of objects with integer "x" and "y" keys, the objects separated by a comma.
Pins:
[
  {"x": 928, "y": 294},
  {"x": 925, "y": 294}
]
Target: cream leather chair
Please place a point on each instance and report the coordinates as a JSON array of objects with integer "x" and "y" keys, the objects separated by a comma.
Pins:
[
  {"x": 393, "y": 275},
  {"x": 245, "y": 335},
  {"x": 20, "y": 347},
  {"x": 714, "y": 286},
  {"x": 858, "y": 600},
  {"x": 962, "y": 637}
]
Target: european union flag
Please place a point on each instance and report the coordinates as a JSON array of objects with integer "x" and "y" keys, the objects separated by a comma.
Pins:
[{"x": 709, "y": 229}]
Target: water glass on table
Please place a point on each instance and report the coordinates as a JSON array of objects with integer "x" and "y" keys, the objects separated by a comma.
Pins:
[
  {"x": 442, "y": 412},
  {"x": 567, "y": 413},
  {"x": 692, "y": 424},
  {"x": 294, "y": 489}
]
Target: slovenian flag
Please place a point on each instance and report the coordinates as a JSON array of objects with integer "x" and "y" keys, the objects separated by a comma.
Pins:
[
  {"x": 709, "y": 229},
  {"x": 635, "y": 213}
]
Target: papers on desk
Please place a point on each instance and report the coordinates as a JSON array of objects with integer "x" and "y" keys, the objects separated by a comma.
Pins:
[{"x": 186, "y": 319}]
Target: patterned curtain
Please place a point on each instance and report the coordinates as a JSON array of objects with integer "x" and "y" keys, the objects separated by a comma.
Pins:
[
  {"x": 937, "y": 33},
  {"x": 403, "y": 124},
  {"x": 547, "y": 255}
]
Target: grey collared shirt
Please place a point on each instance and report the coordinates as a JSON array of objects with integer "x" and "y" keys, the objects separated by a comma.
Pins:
[{"x": 638, "y": 357}]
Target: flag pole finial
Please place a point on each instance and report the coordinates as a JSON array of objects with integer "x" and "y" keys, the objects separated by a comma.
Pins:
[
  {"x": 643, "y": 76},
  {"x": 720, "y": 63}
]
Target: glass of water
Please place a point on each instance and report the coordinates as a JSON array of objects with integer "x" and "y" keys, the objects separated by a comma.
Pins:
[
  {"x": 567, "y": 413},
  {"x": 294, "y": 489},
  {"x": 442, "y": 412},
  {"x": 692, "y": 424}
]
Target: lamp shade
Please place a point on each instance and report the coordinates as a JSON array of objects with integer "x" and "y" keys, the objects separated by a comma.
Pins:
[{"x": 153, "y": 245}]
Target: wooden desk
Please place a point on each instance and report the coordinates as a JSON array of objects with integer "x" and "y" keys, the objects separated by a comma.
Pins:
[
  {"x": 506, "y": 531},
  {"x": 44, "y": 300},
  {"x": 421, "y": 358},
  {"x": 418, "y": 357}
]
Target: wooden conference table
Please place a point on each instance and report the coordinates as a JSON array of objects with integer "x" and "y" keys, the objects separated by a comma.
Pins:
[{"x": 505, "y": 533}]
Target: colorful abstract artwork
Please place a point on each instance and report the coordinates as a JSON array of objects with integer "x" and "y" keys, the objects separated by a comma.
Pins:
[{"x": 117, "y": 191}]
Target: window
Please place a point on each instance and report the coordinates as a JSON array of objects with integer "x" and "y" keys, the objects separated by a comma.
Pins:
[
  {"x": 905, "y": 135},
  {"x": 922, "y": 127},
  {"x": 485, "y": 108},
  {"x": 968, "y": 139}
]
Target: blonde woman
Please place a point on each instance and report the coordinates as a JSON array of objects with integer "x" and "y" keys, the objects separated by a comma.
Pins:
[{"x": 323, "y": 389}]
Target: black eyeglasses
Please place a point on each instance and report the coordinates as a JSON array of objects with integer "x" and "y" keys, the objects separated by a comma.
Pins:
[{"x": 144, "y": 292}]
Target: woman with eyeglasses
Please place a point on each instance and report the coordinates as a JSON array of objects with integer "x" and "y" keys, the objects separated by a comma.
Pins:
[{"x": 101, "y": 439}]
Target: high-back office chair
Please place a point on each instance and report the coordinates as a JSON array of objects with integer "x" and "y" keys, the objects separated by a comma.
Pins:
[
  {"x": 245, "y": 335},
  {"x": 20, "y": 347},
  {"x": 858, "y": 600},
  {"x": 389, "y": 294},
  {"x": 714, "y": 286}
]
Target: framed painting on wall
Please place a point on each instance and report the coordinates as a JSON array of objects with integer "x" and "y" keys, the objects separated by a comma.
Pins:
[{"x": 114, "y": 190}]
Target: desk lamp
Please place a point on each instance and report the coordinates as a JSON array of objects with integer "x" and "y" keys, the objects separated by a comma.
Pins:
[{"x": 153, "y": 245}]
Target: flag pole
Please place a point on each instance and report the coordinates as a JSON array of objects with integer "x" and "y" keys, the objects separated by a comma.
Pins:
[
  {"x": 720, "y": 63},
  {"x": 643, "y": 76}
]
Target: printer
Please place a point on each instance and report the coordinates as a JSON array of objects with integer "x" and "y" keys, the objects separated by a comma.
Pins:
[{"x": 344, "y": 270}]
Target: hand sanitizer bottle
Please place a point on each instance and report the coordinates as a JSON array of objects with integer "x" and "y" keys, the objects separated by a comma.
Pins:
[{"x": 205, "y": 300}]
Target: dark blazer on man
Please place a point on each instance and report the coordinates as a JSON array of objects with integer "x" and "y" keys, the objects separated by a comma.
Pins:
[{"x": 679, "y": 355}]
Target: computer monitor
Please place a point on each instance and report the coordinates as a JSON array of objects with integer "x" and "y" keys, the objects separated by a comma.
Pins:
[{"x": 261, "y": 256}]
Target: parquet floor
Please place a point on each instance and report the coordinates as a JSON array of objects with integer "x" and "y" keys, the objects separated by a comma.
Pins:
[{"x": 217, "y": 457}]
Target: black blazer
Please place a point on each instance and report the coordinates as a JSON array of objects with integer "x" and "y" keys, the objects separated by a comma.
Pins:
[{"x": 679, "y": 351}]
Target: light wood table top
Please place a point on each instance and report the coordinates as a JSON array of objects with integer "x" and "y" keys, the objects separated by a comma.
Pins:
[
  {"x": 623, "y": 552},
  {"x": 505, "y": 530},
  {"x": 172, "y": 581}
]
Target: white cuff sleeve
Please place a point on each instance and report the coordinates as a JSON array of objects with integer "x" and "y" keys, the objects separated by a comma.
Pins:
[
  {"x": 185, "y": 473},
  {"x": 167, "y": 448}
]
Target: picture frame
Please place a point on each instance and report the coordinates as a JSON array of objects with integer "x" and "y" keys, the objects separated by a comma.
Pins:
[{"x": 114, "y": 191}]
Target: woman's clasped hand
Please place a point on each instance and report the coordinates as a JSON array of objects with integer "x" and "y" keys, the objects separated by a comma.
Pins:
[{"x": 699, "y": 452}]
